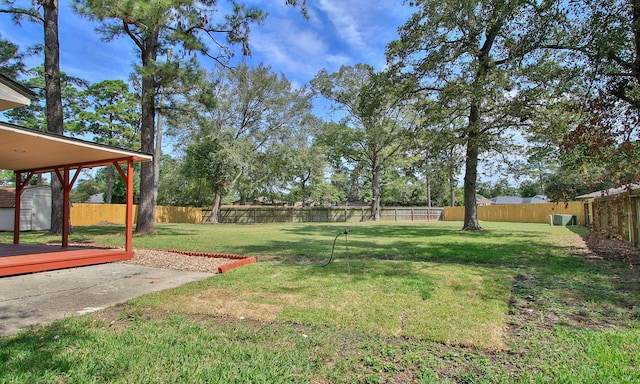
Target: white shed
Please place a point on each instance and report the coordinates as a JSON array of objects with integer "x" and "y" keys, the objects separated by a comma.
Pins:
[{"x": 35, "y": 208}]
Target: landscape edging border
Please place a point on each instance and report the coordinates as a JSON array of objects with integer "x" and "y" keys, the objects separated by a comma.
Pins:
[{"x": 238, "y": 259}]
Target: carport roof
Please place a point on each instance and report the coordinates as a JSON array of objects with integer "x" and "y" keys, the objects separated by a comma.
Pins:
[
  {"x": 13, "y": 94},
  {"x": 23, "y": 149}
]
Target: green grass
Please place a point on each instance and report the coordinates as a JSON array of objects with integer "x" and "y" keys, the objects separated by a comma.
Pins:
[
  {"x": 400, "y": 303},
  {"x": 450, "y": 304}
]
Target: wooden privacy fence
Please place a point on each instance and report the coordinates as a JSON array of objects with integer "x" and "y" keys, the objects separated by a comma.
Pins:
[
  {"x": 94, "y": 214},
  {"x": 97, "y": 214},
  {"x": 617, "y": 215},
  {"x": 268, "y": 214},
  {"x": 520, "y": 213}
]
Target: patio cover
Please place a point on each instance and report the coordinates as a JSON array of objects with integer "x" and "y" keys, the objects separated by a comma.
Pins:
[
  {"x": 28, "y": 152},
  {"x": 13, "y": 94}
]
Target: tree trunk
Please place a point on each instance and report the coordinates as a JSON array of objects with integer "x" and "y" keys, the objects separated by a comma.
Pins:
[
  {"x": 157, "y": 154},
  {"x": 215, "y": 207},
  {"x": 148, "y": 187},
  {"x": 217, "y": 199},
  {"x": 377, "y": 193},
  {"x": 109, "y": 195},
  {"x": 428, "y": 192},
  {"x": 471, "y": 172},
  {"x": 55, "y": 120},
  {"x": 452, "y": 190}
]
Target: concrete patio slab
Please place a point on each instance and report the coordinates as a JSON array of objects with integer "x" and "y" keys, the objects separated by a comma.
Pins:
[{"x": 40, "y": 298}]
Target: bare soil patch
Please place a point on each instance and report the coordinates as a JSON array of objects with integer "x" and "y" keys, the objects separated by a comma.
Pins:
[{"x": 613, "y": 249}]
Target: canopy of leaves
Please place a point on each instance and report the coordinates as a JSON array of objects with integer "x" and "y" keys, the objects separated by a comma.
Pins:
[
  {"x": 11, "y": 59},
  {"x": 34, "y": 115},
  {"x": 239, "y": 125},
  {"x": 111, "y": 113}
]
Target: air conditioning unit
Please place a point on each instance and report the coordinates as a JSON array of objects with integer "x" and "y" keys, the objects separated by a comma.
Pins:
[{"x": 564, "y": 220}]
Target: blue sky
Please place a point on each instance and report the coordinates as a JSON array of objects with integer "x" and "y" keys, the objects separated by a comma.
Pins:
[{"x": 339, "y": 32}]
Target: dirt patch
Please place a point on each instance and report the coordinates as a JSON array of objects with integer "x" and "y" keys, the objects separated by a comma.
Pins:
[
  {"x": 612, "y": 249},
  {"x": 526, "y": 307}
]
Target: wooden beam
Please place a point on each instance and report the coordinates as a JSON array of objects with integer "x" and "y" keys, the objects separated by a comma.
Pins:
[
  {"x": 20, "y": 186},
  {"x": 66, "y": 208},
  {"x": 16, "y": 209},
  {"x": 89, "y": 164},
  {"x": 129, "y": 217}
]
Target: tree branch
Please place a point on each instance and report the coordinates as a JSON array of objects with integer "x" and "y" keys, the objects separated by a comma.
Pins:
[
  {"x": 136, "y": 41},
  {"x": 19, "y": 13}
]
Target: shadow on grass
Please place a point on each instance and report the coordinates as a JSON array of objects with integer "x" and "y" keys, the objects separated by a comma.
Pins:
[
  {"x": 415, "y": 243},
  {"x": 551, "y": 277},
  {"x": 39, "y": 353}
]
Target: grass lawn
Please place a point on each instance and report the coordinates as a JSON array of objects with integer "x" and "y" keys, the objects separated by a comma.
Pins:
[{"x": 399, "y": 303}]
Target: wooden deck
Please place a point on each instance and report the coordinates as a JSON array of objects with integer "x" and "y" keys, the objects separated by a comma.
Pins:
[{"x": 17, "y": 259}]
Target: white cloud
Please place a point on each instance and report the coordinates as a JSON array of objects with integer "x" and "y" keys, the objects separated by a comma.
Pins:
[
  {"x": 344, "y": 17},
  {"x": 297, "y": 51}
]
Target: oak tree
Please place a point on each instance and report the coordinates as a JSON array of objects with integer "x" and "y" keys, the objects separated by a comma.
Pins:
[
  {"x": 473, "y": 58},
  {"x": 376, "y": 124},
  {"x": 191, "y": 28},
  {"x": 235, "y": 122}
]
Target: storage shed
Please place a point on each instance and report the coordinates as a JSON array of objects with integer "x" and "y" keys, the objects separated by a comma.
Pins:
[{"x": 35, "y": 208}]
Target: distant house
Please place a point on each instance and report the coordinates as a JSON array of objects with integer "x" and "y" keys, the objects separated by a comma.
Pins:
[
  {"x": 98, "y": 198},
  {"x": 35, "y": 208},
  {"x": 481, "y": 200},
  {"x": 503, "y": 200}
]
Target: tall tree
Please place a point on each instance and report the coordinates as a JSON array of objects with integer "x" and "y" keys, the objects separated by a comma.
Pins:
[
  {"x": 155, "y": 27},
  {"x": 474, "y": 56},
  {"x": 112, "y": 116},
  {"x": 46, "y": 13},
  {"x": 304, "y": 164},
  {"x": 235, "y": 121},
  {"x": 291, "y": 169},
  {"x": 377, "y": 121}
]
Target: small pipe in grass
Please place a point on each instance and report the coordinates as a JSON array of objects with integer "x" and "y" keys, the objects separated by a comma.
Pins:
[{"x": 345, "y": 233}]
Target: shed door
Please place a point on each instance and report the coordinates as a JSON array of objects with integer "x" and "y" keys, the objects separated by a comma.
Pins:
[
  {"x": 41, "y": 220},
  {"x": 26, "y": 219}
]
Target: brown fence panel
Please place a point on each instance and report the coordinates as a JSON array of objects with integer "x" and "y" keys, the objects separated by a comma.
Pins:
[
  {"x": 618, "y": 215},
  {"x": 97, "y": 214},
  {"x": 94, "y": 214},
  {"x": 166, "y": 214},
  {"x": 520, "y": 213}
]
